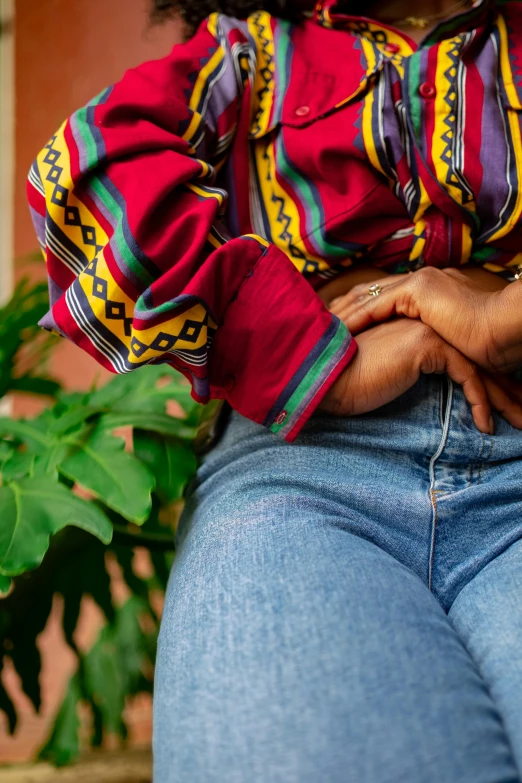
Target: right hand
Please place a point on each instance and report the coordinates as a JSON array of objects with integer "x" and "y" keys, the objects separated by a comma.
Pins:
[
  {"x": 390, "y": 359},
  {"x": 481, "y": 321}
]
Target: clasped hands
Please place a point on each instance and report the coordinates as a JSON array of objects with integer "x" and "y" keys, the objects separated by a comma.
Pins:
[{"x": 432, "y": 321}]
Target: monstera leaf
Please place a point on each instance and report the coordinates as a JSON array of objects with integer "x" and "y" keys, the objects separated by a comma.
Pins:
[
  {"x": 144, "y": 392},
  {"x": 5, "y": 584},
  {"x": 171, "y": 460},
  {"x": 154, "y": 422},
  {"x": 111, "y": 671},
  {"x": 33, "y": 509},
  {"x": 63, "y": 746},
  {"x": 23, "y": 346},
  {"x": 98, "y": 461}
]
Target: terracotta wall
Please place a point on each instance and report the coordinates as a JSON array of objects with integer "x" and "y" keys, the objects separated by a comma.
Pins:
[{"x": 66, "y": 52}]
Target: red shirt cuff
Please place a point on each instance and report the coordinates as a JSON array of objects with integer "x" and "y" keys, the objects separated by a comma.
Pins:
[{"x": 278, "y": 349}]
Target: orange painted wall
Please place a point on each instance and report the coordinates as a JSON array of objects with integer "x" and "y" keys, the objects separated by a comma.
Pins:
[{"x": 66, "y": 52}]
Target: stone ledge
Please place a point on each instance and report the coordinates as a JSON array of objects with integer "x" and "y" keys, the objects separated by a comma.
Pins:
[{"x": 128, "y": 766}]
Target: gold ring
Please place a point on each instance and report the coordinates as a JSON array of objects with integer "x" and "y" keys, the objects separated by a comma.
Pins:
[
  {"x": 375, "y": 289},
  {"x": 518, "y": 273}
]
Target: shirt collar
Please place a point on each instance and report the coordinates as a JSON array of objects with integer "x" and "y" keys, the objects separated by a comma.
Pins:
[{"x": 334, "y": 13}]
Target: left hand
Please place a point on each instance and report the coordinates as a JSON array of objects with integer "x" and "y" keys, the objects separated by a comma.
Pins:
[
  {"x": 485, "y": 326},
  {"x": 372, "y": 379}
]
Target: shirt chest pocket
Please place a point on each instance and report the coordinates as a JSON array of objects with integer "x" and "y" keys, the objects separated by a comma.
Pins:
[
  {"x": 312, "y": 180},
  {"x": 312, "y": 73}
]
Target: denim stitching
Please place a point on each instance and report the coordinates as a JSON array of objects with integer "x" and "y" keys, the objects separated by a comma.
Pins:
[
  {"x": 432, "y": 490},
  {"x": 485, "y": 454}
]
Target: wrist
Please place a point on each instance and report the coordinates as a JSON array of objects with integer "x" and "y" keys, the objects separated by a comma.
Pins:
[
  {"x": 507, "y": 307},
  {"x": 512, "y": 295},
  {"x": 505, "y": 325},
  {"x": 337, "y": 400}
]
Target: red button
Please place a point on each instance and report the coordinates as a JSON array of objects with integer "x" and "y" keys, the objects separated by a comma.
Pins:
[
  {"x": 302, "y": 111},
  {"x": 281, "y": 417},
  {"x": 427, "y": 90},
  {"x": 392, "y": 48}
]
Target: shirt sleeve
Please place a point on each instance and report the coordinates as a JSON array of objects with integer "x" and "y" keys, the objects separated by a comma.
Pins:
[{"x": 141, "y": 268}]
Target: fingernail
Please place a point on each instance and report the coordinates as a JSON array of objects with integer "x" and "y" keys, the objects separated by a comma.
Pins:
[
  {"x": 336, "y": 301},
  {"x": 491, "y": 426}
]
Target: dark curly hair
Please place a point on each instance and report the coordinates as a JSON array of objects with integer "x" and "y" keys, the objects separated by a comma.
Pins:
[{"x": 194, "y": 11}]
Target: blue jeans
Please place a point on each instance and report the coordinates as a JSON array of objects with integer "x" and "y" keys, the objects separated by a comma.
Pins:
[{"x": 348, "y": 608}]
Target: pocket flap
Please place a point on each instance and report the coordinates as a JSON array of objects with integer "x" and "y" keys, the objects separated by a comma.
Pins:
[{"x": 313, "y": 71}]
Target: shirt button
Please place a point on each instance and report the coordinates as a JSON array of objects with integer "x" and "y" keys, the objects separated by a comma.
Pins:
[
  {"x": 281, "y": 418},
  {"x": 302, "y": 111},
  {"x": 392, "y": 48},
  {"x": 427, "y": 90}
]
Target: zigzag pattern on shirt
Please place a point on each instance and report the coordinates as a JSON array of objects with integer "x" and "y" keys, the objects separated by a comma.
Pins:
[
  {"x": 450, "y": 137},
  {"x": 68, "y": 250},
  {"x": 266, "y": 72},
  {"x": 283, "y": 218},
  {"x": 515, "y": 60},
  {"x": 373, "y": 33},
  {"x": 188, "y": 92}
]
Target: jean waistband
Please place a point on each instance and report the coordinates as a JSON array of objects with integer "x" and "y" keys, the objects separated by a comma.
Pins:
[{"x": 433, "y": 411}]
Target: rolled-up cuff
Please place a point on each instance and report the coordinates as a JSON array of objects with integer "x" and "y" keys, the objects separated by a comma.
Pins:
[{"x": 279, "y": 349}]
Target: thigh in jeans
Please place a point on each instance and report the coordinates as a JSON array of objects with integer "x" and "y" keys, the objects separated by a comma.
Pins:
[
  {"x": 487, "y": 615},
  {"x": 477, "y": 562},
  {"x": 293, "y": 651}
]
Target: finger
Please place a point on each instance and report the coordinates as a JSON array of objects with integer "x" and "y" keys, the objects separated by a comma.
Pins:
[
  {"x": 344, "y": 313},
  {"x": 338, "y": 305},
  {"x": 464, "y": 372},
  {"x": 510, "y": 385},
  {"x": 392, "y": 300},
  {"x": 361, "y": 291},
  {"x": 508, "y": 406}
]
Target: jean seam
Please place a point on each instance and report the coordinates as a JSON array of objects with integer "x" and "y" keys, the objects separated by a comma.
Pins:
[
  {"x": 485, "y": 455},
  {"x": 480, "y": 457},
  {"x": 432, "y": 490}
]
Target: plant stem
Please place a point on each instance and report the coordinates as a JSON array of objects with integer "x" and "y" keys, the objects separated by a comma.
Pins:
[{"x": 160, "y": 542}]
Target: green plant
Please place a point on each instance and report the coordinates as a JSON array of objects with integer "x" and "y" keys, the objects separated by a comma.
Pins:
[
  {"x": 89, "y": 479},
  {"x": 24, "y": 347}
]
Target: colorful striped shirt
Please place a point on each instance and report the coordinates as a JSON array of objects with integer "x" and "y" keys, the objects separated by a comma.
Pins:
[{"x": 189, "y": 214}]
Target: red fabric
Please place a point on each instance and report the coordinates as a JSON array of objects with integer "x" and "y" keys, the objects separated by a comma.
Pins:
[{"x": 329, "y": 142}]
